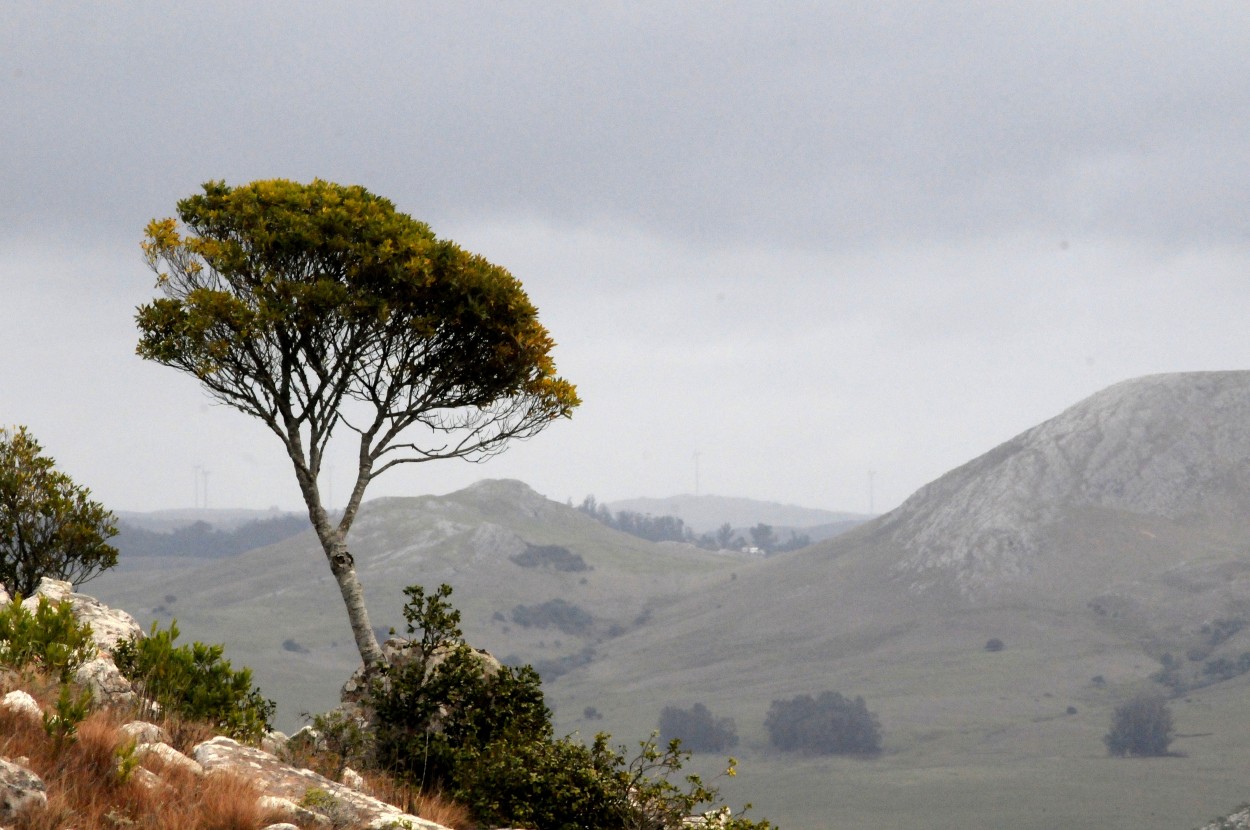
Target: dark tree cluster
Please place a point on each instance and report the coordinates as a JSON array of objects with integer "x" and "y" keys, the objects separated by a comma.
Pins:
[
  {"x": 673, "y": 529},
  {"x": 201, "y": 540},
  {"x": 550, "y": 556},
  {"x": 1140, "y": 726},
  {"x": 642, "y": 525},
  {"x": 697, "y": 729},
  {"x": 828, "y": 724},
  {"x": 554, "y": 613}
]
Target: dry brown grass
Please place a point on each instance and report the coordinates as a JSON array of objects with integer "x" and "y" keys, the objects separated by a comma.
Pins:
[
  {"x": 86, "y": 791},
  {"x": 431, "y": 806}
]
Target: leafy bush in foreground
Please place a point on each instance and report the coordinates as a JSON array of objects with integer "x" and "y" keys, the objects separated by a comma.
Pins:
[
  {"x": 50, "y": 637},
  {"x": 196, "y": 682},
  {"x": 829, "y": 724},
  {"x": 443, "y": 719}
]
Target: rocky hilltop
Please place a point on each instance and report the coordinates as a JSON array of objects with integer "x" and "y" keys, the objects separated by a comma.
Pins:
[{"x": 1174, "y": 446}]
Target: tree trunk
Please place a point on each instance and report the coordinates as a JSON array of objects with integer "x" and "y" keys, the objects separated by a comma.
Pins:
[{"x": 343, "y": 566}]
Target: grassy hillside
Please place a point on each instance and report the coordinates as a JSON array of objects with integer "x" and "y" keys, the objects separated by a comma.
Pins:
[{"x": 279, "y": 611}]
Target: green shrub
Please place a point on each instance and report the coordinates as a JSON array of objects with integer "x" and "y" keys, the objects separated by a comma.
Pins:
[
  {"x": 1140, "y": 726},
  {"x": 829, "y": 724},
  {"x": 50, "y": 637},
  {"x": 697, "y": 729},
  {"x": 485, "y": 738},
  {"x": 196, "y": 682}
]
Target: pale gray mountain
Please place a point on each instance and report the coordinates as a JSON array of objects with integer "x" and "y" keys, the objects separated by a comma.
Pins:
[{"x": 1174, "y": 447}]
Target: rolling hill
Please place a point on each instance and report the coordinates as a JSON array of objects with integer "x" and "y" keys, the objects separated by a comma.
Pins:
[{"x": 1096, "y": 546}]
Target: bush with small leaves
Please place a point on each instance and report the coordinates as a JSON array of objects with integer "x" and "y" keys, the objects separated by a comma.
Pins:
[
  {"x": 50, "y": 637},
  {"x": 1140, "y": 726},
  {"x": 994, "y": 644},
  {"x": 486, "y": 739},
  {"x": 196, "y": 682}
]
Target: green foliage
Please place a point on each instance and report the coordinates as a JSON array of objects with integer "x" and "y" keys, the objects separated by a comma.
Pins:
[
  {"x": 829, "y": 724},
  {"x": 49, "y": 526},
  {"x": 50, "y": 637},
  {"x": 697, "y": 729},
  {"x": 485, "y": 738},
  {"x": 658, "y": 802},
  {"x": 195, "y": 681},
  {"x": 339, "y": 813},
  {"x": 1140, "y": 726},
  {"x": 558, "y": 613},
  {"x": 71, "y": 709},
  {"x": 291, "y": 302}
]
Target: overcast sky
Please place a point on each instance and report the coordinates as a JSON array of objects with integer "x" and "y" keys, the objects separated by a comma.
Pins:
[{"x": 816, "y": 244}]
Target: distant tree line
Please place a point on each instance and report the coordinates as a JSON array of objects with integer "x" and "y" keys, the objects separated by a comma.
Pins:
[
  {"x": 828, "y": 724},
  {"x": 201, "y": 540},
  {"x": 673, "y": 529}
]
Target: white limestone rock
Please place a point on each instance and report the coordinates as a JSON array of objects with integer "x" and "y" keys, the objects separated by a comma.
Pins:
[
  {"x": 145, "y": 733},
  {"x": 21, "y": 702},
  {"x": 171, "y": 757},
  {"x": 20, "y": 790},
  {"x": 108, "y": 686}
]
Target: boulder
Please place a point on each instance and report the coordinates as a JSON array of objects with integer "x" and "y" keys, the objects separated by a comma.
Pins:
[
  {"x": 145, "y": 733},
  {"x": 171, "y": 757},
  {"x": 107, "y": 684},
  {"x": 5, "y": 599},
  {"x": 20, "y": 790},
  {"x": 108, "y": 626},
  {"x": 20, "y": 701},
  {"x": 277, "y": 780}
]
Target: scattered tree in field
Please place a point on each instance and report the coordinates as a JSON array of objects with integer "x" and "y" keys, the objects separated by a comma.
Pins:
[
  {"x": 49, "y": 526},
  {"x": 315, "y": 306},
  {"x": 763, "y": 537},
  {"x": 829, "y": 724},
  {"x": 697, "y": 729},
  {"x": 1140, "y": 726}
]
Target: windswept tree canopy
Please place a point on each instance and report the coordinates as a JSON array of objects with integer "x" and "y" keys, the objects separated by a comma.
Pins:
[
  {"x": 311, "y": 305},
  {"x": 304, "y": 305},
  {"x": 49, "y": 526}
]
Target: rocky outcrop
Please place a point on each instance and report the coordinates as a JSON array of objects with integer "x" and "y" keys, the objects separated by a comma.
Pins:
[
  {"x": 277, "y": 780},
  {"x": 1171, "y": 446},
  {"x": 20, "y": 790},
  {"x": 299, "y": 794},
  {"x": 108, "y": 626}
]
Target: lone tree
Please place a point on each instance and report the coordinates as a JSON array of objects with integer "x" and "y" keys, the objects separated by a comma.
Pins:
[
  {"x": 49, "y": 526},
  {"x": 1141, "y": 725},
  {"x": 310, "y": 306}
]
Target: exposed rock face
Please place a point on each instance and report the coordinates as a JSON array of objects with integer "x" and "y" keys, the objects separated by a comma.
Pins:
[
  {"x": 20, "y": 790},
  {"x": 278, "y": 780},
  {"x": 1174, "y": 446},
  {"x": 108, "y": 626}
]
